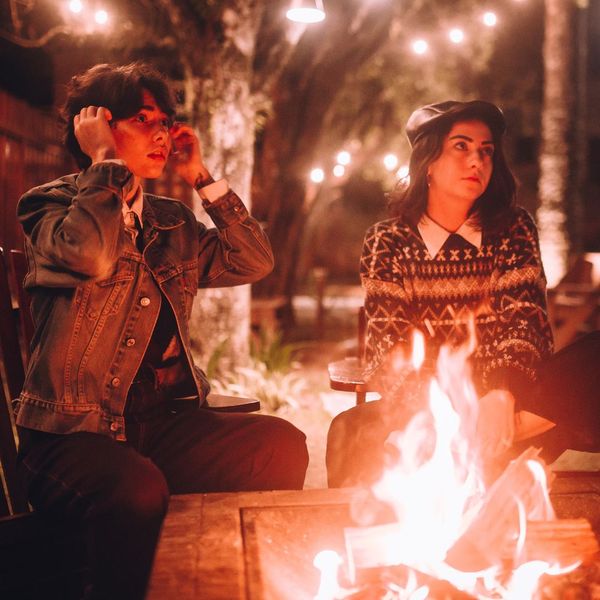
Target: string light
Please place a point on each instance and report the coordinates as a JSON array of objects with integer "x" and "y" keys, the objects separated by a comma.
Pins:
[
  {"x": 490, "y": 19},
  {"x": 420, "y": 46},
  {"x": 75, "y": 6},
  {"x": 390, "y": 161},
  {"x": 317, "y": 175},
  {"x": 456, "y": 35},
  {"x": 101, "y": 17},
  {"x": 343, "y": 158},
  {"x": 402, "y": 172}
]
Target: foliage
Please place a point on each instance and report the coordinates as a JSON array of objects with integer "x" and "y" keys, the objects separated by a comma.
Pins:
[
  {"x": 272, "y": 376},
  {"x": 214, "y": 366},
  {"x": 274, "y": 389},
  {"x": 269, "y": 349}
]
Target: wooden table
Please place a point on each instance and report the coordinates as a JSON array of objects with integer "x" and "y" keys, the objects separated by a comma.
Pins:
[{"x": 260, "y": 545}]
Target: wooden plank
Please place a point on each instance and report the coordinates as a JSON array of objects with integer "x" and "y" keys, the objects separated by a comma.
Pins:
[
  {"x": 12, "y": 496},
  {"x": 178, "y": 556},
  {"x": 280, "y": 544},
  {"x": 201, "y": 549},
  {"x": 221, "y": 403}
]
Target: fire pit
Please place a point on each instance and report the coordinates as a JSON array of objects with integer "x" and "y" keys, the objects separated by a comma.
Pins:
[
  {"x": 431, "y": 525},
  {"x": 206, "y": 552},
  {"x": 449, "y": 523}
]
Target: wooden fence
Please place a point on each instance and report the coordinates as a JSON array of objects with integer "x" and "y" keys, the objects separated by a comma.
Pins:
[{"x": 30, "y": 153}]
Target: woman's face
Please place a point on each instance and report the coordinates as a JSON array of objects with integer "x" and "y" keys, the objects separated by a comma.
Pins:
[{"x": 463, "y": 170}]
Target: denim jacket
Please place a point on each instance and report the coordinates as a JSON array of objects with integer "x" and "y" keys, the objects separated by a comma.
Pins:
[{"x": 96, "y": 298}]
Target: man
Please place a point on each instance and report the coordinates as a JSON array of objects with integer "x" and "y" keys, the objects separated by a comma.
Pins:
[{"x": 110, "y": 417}]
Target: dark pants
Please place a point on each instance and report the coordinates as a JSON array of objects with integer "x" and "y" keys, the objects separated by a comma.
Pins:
[
  {"x": 119, "y": 491},
  {"x": 567, "y": 393}
]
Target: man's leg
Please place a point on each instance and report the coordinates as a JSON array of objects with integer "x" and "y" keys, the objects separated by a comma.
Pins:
[
  {"x": 118, "y": 496},
  {"x": 205, "y": 451}
]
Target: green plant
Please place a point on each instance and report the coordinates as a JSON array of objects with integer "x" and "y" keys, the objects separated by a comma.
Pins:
[
  {"x": 213, "y": 366},
  {"x": 269, "y": 349},
  {"x": 274, "y": 389}
]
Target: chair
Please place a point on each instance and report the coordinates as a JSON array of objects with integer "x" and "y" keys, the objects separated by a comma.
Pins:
[
  {"x": 39, "y": 557},
  {"x": 346, "y": 375},
  {"x": 573, "y": 303}
]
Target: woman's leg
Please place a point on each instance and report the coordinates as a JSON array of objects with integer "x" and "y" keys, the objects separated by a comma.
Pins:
[
  {"x": 356, "y": 448},
  {"x": 118, "y": 496}
]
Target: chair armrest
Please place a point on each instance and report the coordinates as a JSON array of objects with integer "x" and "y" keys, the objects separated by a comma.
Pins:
[
  {"x": 347, "y": 376},
  {"x": 221, "y": 403}
]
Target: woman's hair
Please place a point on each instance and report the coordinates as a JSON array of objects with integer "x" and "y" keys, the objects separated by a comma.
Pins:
[
  {"x": 492, "y": 209},
  {"x": 116, "y": 87}
]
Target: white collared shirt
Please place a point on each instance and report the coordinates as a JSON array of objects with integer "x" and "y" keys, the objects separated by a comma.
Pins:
[
  {"x": 136, "y": 205},
  {"x": 435, "y": 235}
]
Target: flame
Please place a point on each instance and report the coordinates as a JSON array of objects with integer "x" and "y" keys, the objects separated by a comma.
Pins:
[
  {"x": 418, "y": 350},
  {"x": 442, "y": 505},
  {"x": 328, "y": 562}
]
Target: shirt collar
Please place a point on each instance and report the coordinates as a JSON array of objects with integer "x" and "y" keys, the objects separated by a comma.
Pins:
[
  {"x": 136, "y": 205},
  {"x": 435, "y": 235}
]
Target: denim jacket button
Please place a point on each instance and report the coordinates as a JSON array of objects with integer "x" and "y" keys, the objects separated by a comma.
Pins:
[
  {"x": 116, "y": 382},
  {"x": 114, "y": 426},
  {"x": 145, "y": 301},
  {"x": 130, "y": 342}
]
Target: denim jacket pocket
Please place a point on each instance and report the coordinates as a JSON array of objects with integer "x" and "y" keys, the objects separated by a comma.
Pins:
[{"x": 117, "y": 283}]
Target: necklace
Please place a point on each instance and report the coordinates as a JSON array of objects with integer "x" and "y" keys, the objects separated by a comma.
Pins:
[{"x": 440, "y": 225}]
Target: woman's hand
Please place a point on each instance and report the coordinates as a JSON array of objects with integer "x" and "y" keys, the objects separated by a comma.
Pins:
[
  {"x": 187, "y": 154},
  {"x": 496, "y": 422},
  {"x": 92, "y": 130}
]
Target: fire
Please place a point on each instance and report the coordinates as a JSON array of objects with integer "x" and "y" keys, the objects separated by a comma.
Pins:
[
  {"x": 328, "y": 562},
  {"x": 490, "y": 543}
]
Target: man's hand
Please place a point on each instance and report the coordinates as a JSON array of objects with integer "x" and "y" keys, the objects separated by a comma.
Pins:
[
  {"x": 93, "y": 133},
  {"x": 496, "y": 422},
  {"x": 187, "y": 154}
]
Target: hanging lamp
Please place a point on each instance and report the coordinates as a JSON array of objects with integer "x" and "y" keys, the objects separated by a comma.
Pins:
[{"x": 306, "y": 11}]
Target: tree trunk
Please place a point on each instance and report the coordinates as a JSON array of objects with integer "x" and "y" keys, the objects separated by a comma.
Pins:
[
  {"x": 216, "y": 42},
  {"x": 221, "y": 317},
  {"x": 292, "y": 141},
  {"x": 557, "y": 135}
]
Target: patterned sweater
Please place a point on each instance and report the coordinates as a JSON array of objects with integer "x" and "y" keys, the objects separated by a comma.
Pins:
[{"x": 501, "y": 284}]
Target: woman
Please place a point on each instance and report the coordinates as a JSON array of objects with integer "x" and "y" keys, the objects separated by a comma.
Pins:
[{"x": 456, "y": 250}]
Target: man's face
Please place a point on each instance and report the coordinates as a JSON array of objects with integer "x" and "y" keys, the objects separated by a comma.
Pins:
[{"x": 143, "y": 140}]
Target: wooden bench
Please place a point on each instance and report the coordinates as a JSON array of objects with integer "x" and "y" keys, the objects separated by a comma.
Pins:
[{"x": 39, "y": 558}]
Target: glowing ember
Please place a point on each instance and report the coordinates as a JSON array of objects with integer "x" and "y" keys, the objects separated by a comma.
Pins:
[{"x": 490, "y": 543}]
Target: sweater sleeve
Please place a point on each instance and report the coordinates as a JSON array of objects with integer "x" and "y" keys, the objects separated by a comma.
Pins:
[
  {"x": 522, "y": 336},
  {"x": 387, "y": 302}
]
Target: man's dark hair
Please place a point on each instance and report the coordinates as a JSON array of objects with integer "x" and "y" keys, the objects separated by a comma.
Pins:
[
  {"x": 116, "y": 87},
  {"x": 491, "y": 210}
]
